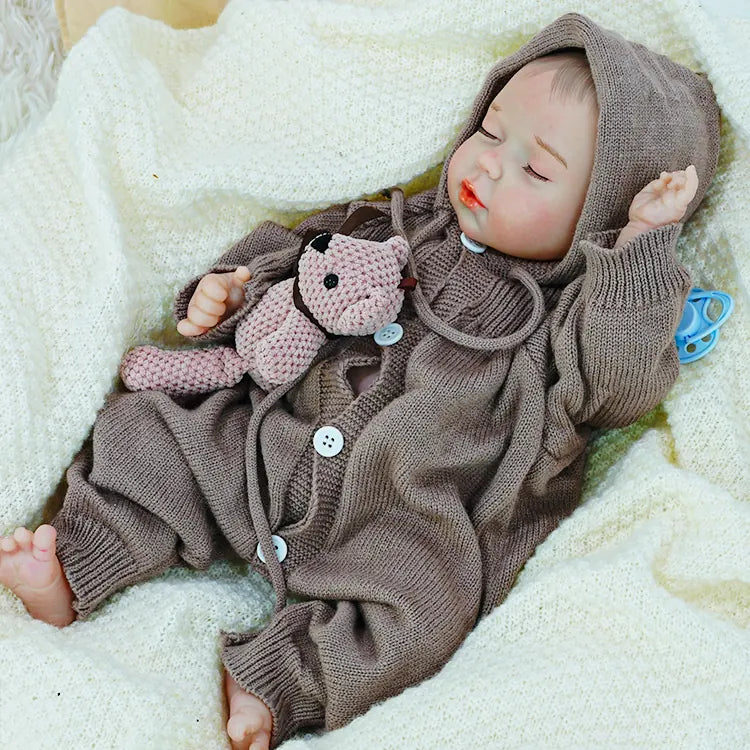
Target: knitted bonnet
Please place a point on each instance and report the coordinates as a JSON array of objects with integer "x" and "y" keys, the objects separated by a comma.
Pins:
[{"x": 654, "y": 115}]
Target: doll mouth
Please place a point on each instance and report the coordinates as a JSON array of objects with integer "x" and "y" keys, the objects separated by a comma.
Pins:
[{"x": 467, "y": 195}]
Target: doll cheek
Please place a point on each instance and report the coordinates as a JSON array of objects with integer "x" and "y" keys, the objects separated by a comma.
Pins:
[
  {"x": 519, "y": 223},
  {"x": 452, "y": 174},
  {"x": 538, "y": 217},
  {"x": 459, "y": 163}
]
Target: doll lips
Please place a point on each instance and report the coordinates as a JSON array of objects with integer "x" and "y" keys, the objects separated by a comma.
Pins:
[{"x": 468, "y": 196}]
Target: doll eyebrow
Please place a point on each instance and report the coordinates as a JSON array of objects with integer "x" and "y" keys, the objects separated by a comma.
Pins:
[
  {"x": 551, "y": 150},
  {"x": 496, "y": 107}
]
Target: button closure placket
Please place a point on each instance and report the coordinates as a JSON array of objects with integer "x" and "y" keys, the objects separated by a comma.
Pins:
[
  {"x": 328, "y": 441},
  {"x": 389, "y": 335},
  {"x": 278, "y": 544}
]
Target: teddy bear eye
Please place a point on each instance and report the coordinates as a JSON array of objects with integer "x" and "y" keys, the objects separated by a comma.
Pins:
[{"x": 331, "y": 281}]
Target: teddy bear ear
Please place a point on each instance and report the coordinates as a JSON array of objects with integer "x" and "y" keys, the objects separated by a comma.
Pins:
[
  {"x": 321, "y": 242},
  {"x": 401, "y": 247}
]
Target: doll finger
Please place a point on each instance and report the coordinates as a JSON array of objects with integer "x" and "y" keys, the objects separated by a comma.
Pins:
[
  {"x": 209, "y": 306},
  {"x": 186, "y": 328},
  {"x": 685, "y": 190},
  {"x": 213, "y": 287},
  {"x": 236, "y": 296},
  {"x": 655, "y": 187},
  {"x": 200, "y": 318},
  {"x": 241, "y": 275}
]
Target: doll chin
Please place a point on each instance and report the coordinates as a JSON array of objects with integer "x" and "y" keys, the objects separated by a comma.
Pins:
[{"x": 467, "y": 227}]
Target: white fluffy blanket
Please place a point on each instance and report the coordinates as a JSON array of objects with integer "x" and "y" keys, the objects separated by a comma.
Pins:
[{"x": 630, "y": 627}]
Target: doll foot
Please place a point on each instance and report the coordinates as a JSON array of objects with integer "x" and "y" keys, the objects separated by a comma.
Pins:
[{"x": 30, "y": 569}]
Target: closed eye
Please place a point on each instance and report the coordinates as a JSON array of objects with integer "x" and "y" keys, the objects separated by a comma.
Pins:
[
  {"x": 487, "y": 135},
  {"x": 534, "y": 174},
  {"x": 527, "y": 168}
]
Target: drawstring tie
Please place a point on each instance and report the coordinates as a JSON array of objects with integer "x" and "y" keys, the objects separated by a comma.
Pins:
[
  {"x": 431, "y": 229},
  {"x": 257, "y": 512}
]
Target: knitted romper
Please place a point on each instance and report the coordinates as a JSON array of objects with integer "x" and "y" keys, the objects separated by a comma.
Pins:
[{"x": 404, "y": 513}]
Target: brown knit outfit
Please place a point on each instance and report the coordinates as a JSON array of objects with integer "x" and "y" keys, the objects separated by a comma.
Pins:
[{"x": 456, "y": 464}]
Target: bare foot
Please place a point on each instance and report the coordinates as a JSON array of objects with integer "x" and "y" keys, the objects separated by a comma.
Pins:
[
  {"x": 30, "y": 569},
  {"x": 250, "y": 721}
]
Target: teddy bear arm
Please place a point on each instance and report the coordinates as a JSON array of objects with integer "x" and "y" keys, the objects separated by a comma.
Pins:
[
  {"x": 181, "y": 372},
  {"x": 267, "y": 316}
]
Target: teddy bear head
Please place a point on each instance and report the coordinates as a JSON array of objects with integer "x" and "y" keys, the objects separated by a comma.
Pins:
[{"x": 352, "y": 286}]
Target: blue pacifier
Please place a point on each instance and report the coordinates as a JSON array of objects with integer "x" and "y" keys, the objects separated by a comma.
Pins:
[{"x": 697, "y": 334}]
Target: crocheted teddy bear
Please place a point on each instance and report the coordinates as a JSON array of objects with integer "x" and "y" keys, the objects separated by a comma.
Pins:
[{"x": 343, "y": 287}]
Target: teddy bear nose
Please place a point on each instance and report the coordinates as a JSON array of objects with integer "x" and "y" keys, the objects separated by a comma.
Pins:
[{"x": 321, "y": 242}]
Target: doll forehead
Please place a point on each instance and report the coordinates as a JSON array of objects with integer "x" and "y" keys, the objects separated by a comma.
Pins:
[
  {"x": 554, "y": 123},
  {"x": 552, "y": 81},
  {"x": 528, "y": 90}
]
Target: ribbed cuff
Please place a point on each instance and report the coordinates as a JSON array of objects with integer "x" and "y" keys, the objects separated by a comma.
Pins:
[
  {"x": 94, "y": 560},
  {"x": 640, "y": 273},
  {"x": 273, "y": 666}
]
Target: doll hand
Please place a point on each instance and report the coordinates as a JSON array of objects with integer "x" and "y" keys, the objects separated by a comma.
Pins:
[
  {"x": 250, "y": 721},
  {"x": 663, "y": 200},
  {"x": 216, "y": 297}
]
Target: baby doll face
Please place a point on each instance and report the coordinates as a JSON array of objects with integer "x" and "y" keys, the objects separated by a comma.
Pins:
[{"x": 520, "y": 185}]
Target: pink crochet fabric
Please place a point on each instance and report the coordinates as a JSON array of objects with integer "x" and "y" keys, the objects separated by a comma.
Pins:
[{"x": 351, "y": 287}]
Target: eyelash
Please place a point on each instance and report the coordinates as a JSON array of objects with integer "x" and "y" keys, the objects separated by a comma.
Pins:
[{"x": 527, "y": 168}]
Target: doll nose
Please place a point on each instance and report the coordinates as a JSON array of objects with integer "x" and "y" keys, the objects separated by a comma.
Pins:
[{"x": 491, "y": 163}]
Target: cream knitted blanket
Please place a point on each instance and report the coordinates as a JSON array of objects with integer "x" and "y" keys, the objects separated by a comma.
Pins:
[{"x": 630, "y": 627}]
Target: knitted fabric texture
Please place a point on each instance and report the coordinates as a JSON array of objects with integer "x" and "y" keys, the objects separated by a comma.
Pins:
[
  {"x": 628, "y": 616},
  {"x": 349, "y": 286},
  {"x": 456, "y": 464}
]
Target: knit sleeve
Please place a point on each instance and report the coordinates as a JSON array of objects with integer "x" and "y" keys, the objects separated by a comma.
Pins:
[
  {"x": 397, "y": 599},
  {"x": 614, "y": 349},
  {"x": 269, "y": 251}
]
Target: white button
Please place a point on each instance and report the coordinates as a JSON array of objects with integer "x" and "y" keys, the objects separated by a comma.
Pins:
[
  {"x": 473, "y": 245},
  {"x": 278, "y": 544},
  {"x": 389, "y": 334},
  {"x": 328, "y": 441}
]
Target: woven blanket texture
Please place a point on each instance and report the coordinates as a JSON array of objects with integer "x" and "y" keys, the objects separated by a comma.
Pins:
[{"x": 630, "y": 626}]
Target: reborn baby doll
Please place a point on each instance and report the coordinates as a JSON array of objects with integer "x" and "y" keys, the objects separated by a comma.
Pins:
[{"x": 396, "y": 489}]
